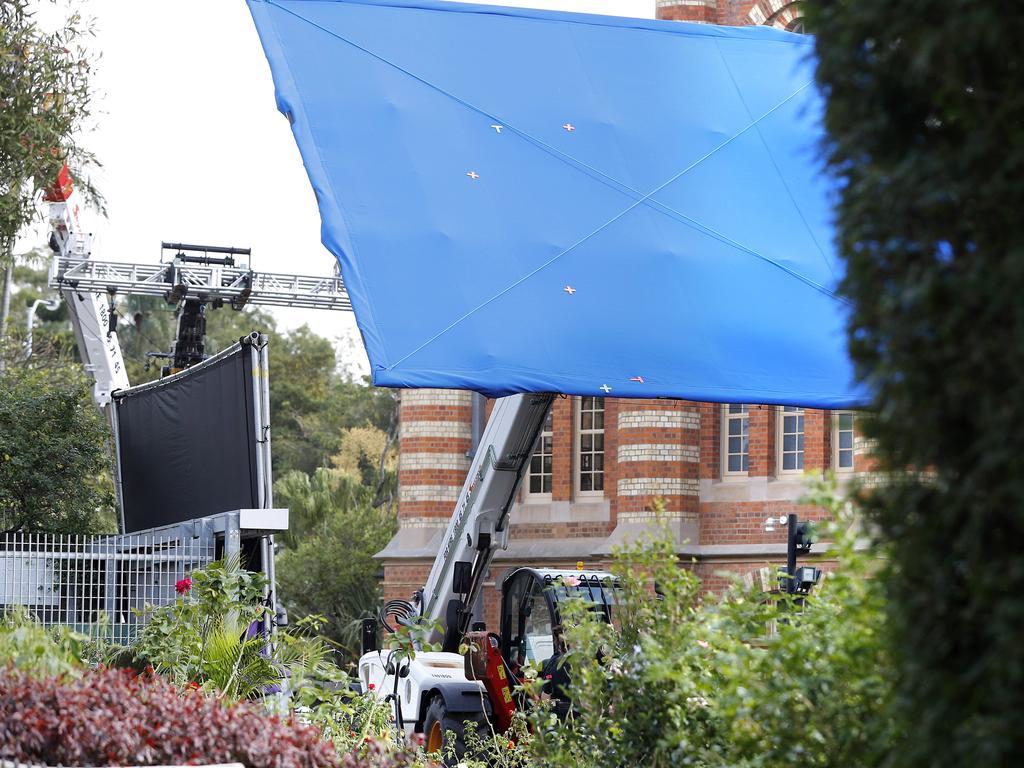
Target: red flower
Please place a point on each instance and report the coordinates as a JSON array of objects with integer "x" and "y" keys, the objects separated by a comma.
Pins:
[
  {"x": 193, "y": 686},
  {"x": 371, "y": 686},
  {"x": 183, "y": 586}
]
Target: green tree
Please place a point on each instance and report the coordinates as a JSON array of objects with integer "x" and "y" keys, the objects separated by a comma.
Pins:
[
  {"x": 925, "y": 117},
  {"x": 744, "y": 680},
  {"x": 53, "y": 452},
  {"x": 45, "y": 99},
  {"x": 335, "y": 530}
]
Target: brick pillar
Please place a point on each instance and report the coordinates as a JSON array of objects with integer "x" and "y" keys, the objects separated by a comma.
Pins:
[
  {"x": 701, "y": 11},
  {"x": 433, "y": 438},
  {"x": 863, "y": 448},
  {"x": 817, "y": 440},
  {"x": 710, "y": 441},
  {"x": 657, "y": 456},
  {"x": 761, "y": 428},
  {"x": 562, "y": 448}
]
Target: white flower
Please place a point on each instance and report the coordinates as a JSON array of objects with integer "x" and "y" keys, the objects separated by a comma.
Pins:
[
  {"x": 697, "y": 701},
  {"x": 703, "y": 644}
]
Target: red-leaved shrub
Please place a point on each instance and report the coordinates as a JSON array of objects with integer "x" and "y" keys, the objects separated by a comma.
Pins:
[{"x": 113, "y": 717}]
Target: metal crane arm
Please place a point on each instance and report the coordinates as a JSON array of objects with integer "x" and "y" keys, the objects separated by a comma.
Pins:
[{"x": 479, "y": 525}]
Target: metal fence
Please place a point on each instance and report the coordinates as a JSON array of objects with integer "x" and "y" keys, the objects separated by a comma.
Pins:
[{"x": 98, "y": 585}]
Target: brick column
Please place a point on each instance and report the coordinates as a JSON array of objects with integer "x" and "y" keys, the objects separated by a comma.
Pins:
[
  {"x": 710, "y": 441},
  {"x": 863, "y": 448},
  {"x": 817, "y": 440},
  {"x": 700, "y": 11},
  {"x": 657, "y": 456},
  {"x": 433, "y": 438},
  {"x": 761, "y": 429},
  {"x": 562, "y": 448}
]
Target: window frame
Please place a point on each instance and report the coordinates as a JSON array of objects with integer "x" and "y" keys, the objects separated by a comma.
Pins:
[
  {"x": 726, "y": 417},
  {"x": 578, "y": 433},
  {"x": 780, "y": 435},
  {"x": 836, "y": 449},
  {"x": 546, "y": 432}
]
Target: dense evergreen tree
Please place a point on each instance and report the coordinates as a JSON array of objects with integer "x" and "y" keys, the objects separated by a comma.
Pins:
[{"x": 926, "y": 123}]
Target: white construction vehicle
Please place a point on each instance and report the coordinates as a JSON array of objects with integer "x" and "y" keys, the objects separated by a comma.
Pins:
[
  {"x": 192, "y": 279},
  {"x": 437, "y": 691}
]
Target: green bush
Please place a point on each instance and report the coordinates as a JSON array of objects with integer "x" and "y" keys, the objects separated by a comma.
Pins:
[
  {"x": 28, "y": 646},
  {"x": 925, "y": 116},
  {"x": 740, "y": 681},
  {"x": 330, "y": 570},
  {"x": 53, "y": 453},
  {"x": 204, "y": 638}
]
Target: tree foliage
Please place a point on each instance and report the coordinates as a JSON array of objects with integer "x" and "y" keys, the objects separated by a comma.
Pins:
[
  {"x": 338, "y": 522},
  {"x": 925, "y": 117},
  {"x": 53, "y": 452},
  {"x": 748, "y": 680},
  {"x": 45, "y": 100}
]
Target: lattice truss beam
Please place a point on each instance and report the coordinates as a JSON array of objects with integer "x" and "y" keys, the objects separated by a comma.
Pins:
[{"x": 236, "y": 286}]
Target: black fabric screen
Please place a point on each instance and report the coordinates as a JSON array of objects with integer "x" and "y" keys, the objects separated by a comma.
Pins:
[{"x": 187, "y": 444}]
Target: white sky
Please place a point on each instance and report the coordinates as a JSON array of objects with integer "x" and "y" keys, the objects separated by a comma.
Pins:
[{"x": 194, "y": 149}]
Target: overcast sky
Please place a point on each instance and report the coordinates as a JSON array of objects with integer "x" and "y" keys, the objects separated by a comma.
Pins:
[{"x": 194, "y": 149}]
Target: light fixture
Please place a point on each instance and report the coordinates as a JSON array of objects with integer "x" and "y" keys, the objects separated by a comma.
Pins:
[{"x": 806, "y": 577}]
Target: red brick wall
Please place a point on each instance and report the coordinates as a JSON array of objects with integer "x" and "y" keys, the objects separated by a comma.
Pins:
[
  {"x": 734, "y": 13},
  {"x": 705, "y": 14},
  {"x": 744, "y": 522}
]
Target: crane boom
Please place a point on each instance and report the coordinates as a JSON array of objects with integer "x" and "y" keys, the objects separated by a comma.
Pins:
[
  {"x": 479, "y": 525},
  {"x": 90, "y": 317}
]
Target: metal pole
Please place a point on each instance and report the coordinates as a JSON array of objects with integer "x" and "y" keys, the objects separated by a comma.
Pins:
[
  {"x": 118, "y": 481},
  {"x": 791, "y": 534}
]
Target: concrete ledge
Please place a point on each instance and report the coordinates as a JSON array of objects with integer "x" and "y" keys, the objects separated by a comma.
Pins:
[
  {"x": 627, "y": 533},
  {"x": 550, "y": 549},
  {"x": 414, "y": 543}
]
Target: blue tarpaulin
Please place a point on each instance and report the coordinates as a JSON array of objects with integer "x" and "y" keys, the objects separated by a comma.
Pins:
[{"x": 535, "y": 201}]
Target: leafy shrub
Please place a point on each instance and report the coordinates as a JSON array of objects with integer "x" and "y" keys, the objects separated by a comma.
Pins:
[
  {"x": 27, "y": 645},
  {"x": 741, "y": 681},
  {"x": 113, "y": 717},
  {"x": 925, "y": 113},
  {"x": 329, "y": 566},
  {"x": 203, "y": 638},
  {"x": 381, "y": 753},
  {"x": 53, "y": 453}
]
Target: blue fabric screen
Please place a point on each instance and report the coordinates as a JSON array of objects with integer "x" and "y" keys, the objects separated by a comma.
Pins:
[{"x": 535, "y": 201}]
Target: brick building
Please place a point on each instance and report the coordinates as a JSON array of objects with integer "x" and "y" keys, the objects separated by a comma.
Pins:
[{"x": 601, "y": 463}]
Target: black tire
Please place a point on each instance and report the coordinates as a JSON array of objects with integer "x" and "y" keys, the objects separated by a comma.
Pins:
[{"x": 445, "y": 732}]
